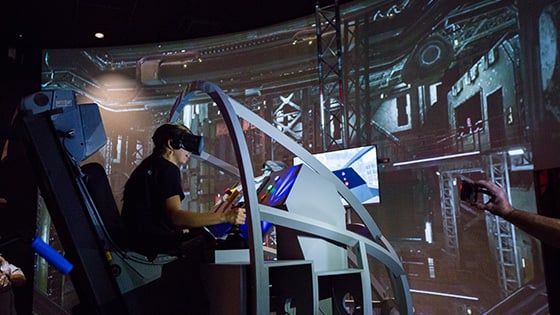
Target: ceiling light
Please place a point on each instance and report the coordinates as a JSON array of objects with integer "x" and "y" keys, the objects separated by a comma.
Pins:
[
  {"x": 437, "y": 158},
  {"x": 99, "y": 35}
]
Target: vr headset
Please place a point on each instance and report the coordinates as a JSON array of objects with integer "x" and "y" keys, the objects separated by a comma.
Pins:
[{"x": 191, "y": 143}]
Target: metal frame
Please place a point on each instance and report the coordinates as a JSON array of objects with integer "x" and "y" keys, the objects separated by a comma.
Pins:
[
  {"x": 379, "y": 247},
  {"x": 62, "y": 190}
]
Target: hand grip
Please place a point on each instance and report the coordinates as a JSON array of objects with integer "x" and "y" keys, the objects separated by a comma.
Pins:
[{"x": 52, "y": 256}]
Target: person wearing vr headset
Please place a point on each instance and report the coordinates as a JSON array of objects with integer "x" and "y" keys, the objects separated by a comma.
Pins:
[{"x": 153, "y": 216}]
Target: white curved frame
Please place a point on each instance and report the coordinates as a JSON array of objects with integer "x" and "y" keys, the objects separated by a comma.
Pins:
[{"x": 379, "y": 248}]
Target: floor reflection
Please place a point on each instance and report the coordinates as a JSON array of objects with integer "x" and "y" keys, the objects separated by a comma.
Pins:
[{"x": 465, "y": 281}]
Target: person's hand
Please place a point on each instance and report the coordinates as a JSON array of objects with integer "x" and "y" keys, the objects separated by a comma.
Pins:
[
  {"x": 498, "y": 203},
  {"x": 18, "y": 279},
  {"x": 4, "y": 281},
  {"x": 12, "y": 274},
  {"x": 227, "y": 201},
  {"x": 236, "y": 216}
]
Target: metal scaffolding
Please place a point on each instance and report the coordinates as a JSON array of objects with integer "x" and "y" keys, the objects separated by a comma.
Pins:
[
  {"x": 334, "y": 114},
  {"x": 357, "y": 74},
  {"x": 509, "y": 272},
  {"x": 448, "y": 212}
]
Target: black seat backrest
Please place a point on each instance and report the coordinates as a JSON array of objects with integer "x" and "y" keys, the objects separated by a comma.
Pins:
[{"x": 100, "y": 191}]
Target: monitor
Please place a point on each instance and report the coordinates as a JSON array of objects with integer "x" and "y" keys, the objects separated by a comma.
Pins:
[{"x": 356, "y": 168}]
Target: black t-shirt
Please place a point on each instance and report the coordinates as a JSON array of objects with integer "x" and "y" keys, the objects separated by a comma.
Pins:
[{"x": 149, "y": 185}]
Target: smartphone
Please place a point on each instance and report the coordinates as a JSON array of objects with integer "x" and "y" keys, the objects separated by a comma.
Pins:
[{"x": 468, "y": 190}]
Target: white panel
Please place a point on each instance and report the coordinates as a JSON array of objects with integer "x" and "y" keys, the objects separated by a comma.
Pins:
[
  {"x": 325, "y": 255},
  {"x": 315, "y": 197}
]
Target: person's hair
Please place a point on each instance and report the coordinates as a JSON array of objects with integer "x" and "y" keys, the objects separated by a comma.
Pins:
[{"x": 166, "y": 132}]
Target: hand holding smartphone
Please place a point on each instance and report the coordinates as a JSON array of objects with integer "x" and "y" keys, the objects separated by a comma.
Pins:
[{"x": 469, "y": 191}]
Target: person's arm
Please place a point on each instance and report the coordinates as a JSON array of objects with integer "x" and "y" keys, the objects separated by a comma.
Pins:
[
  {"x": 181, "y": 218},
  {"x": 14, "y": 273},
  {"x": 544, "y": 228}
]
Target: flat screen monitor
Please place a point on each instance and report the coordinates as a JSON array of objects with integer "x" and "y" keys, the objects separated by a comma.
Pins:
[{"x": 356, "y": 168}]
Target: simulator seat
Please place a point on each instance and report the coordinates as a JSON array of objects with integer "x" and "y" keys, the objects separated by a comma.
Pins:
[{"x": 130, "y": 269}]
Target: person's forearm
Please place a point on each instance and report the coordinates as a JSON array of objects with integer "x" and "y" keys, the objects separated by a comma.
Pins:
[
  {"x": 188, "y": 219},
  {"x": 544, "y": 228}
]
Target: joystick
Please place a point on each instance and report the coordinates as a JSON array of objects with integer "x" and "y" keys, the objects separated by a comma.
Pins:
[{"x": 234, "y": 238}]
